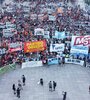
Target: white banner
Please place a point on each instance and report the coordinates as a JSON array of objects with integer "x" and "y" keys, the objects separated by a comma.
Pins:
[
  {"x": 7, "y": 33},
  {"x": 80, "y": 40},
  {"x": 17, "y": 46},
  {"x": 2, "y": 51},
  {"x": 32, "y": 64},
  {"x": 74, "y": 61},
  {"x": 57, "y": 47},
  {"x": 39, "y": 31},
  {"x": 46, "y": 34},
  {"x": 79, "y": 44},
  {"x": 10, "y": 25}
]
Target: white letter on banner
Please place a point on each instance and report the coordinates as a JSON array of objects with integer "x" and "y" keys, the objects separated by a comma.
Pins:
[{"x": 78, "y": 41}]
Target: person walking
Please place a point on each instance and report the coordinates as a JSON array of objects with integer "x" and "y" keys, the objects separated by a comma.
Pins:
[
  {"x": 50, "y": 86},
  {"x": 64, "y": 95},
  {"x": 20, "y": 85},
  {"x": 18, "y": 92},
  {"x": 14, "y": 88},
  {"x": 89, "y": 88},
  {"x": 63, "y": 61},
  {"x": 23, "y": 80},
  {"x": 54, "y": 85},
  {"x": 41, "y": 81}
]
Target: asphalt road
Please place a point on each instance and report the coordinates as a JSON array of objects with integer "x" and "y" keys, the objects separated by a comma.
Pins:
[{"x": 73, "y": 79}]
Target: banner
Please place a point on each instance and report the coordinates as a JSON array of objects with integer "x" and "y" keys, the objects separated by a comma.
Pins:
[
  {"x": 56, "y": 47},
  {"x": 15, "y": 46},
  {"x": 35, "y": 46},
  {"x": 39, "y": 31},
  {"x": 74, "y": 61},
  {"x": 81, "y": 40},
  {"x": 79, "y": 45},
  {"x": 52, "y": 61},
  {"x": 59, "y": 35},
  {"x": 2, "y": 25},
  {"x": 32, "y": 64},
  {"x": 52, "y": 18},
  {"x": 8, "y": 33},
  {"x": 10, "y": 25},
  {"x": 46, "y": 34},
  {"x": 2, "y": 51}
]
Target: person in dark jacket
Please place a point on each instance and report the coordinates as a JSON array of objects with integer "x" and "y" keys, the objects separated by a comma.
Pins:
[
  {"x": 14, "y": 88},
  {"x": 54, "y": 85},
  {"x": 18, "y": 92},
  {"x": 23, "y": 80},
  {"x": 41, "y": 81},
  {"x": 64, "y": 95}
]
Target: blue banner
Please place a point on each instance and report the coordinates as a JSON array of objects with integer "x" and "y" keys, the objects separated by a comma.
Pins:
[
  {"x": 52, "y": 61},
  {"x": 59, "y": 35}
]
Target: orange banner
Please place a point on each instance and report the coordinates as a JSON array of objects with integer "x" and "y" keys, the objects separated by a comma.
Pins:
[{"x": 34, "y": 46}]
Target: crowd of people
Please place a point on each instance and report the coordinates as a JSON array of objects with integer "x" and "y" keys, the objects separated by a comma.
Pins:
[{"x": 26, "y": 16}]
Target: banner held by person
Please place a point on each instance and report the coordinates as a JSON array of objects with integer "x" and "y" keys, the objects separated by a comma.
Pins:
[
  {"x": 15, "y": 47},
  {"x": 32, "y": 64},
  {"x": 59, "y": 35},
  {"x": 52, "y": 61},
  {"x": 39, "y": 31},
  {"x": 35, "y": 46},
  {"x": 56, "y": 47},
  {"x": 79, "y": 44}
]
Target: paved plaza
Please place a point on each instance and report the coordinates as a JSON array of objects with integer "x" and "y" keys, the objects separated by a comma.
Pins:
[{"x": 73, "y": 79}]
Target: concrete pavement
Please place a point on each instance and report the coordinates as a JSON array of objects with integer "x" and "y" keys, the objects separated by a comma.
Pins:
[{"x": 73, "y": 79}]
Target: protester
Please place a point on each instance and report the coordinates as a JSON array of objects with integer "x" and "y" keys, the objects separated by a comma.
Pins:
[
  {"x": 14, "y": 88},
  {"x": 54, "y": 85},
  {"x": 18, "y": 92},
  {"x": 64, "y": 95},
  {"x": 23, "y": 80},
  {"x": 50, "y": 86},
  {"x": 41, "y": 81},
  {"x": 20, "y": 85}
]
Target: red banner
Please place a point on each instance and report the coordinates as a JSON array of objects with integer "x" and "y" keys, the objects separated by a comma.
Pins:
[{"x": 35, "y": 46}]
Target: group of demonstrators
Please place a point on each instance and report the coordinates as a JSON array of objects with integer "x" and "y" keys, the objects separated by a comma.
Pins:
[
  {"x": 17, "y": 90},
  {"x": 41, "y": 29}
]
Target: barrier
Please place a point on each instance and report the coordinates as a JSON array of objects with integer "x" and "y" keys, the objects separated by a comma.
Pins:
[
  {"x": 74, "y": 61},
  {"x": 52, "y": 61},
  {"x": 32, "y": 64},
  {"x": 7, "y": 68}
]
